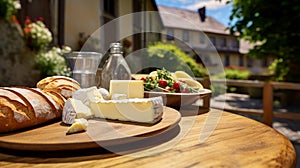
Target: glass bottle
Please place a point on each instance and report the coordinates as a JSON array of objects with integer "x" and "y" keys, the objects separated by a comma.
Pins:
[{"x": 115, "y": 67}]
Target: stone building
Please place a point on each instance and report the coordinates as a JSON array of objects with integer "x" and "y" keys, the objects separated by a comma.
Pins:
[{"x": 196, "y": 37}]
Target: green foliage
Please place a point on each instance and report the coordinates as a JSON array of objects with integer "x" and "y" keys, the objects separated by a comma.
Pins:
[
  {"x": 8, "y": 8},
  {"x": 52, "y": 63},
  {"x": 272, "y": 25},
  {"x": 278, "y": 69},
  {"x": 37, "y": 35},
  {"x": 218, "y": 89},
  {"x": 234, "y": 72},
  {"x": 173, "y": 59},
  {"x": 231, "y": 72}
]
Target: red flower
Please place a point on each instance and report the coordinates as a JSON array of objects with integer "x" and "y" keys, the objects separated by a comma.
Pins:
[
  {"x": 27, "y": 20},
  {"x": 41, "y": 19},
  {"x": 14, "y": 19},
  {"x": 27, "y": 30}
]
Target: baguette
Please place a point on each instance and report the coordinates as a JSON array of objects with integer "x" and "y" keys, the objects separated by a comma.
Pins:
[
  {"x": 22, "y": 107},
  {"x": 60, "y": 84}
]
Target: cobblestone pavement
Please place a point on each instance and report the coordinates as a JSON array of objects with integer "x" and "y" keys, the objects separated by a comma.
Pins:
[{"x": 289, "y": 128}]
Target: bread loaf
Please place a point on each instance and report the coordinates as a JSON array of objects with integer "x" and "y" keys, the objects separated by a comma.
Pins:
[
  {"x": 59, "y": 84},
  {"x": 22, "y": 107}
]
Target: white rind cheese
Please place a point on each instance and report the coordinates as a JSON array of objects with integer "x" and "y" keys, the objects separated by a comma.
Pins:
[
  {"x": 75, "y": 109},
  {"x": 119, "y": 97},
  {"x": 145, "y": 110},
  {"x": 127, "y": 104},
  {"x": 104, "y": 93},
  {"x": 88, "y": 95}
]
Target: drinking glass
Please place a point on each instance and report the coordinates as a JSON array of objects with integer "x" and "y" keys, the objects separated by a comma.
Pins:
[{"x": 84, "y": 66}]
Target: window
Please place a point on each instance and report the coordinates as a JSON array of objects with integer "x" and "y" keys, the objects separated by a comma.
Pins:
[
  {"x": 241, "y": 60},
  {"x": 212, "y": 40},
  {"x": 250, "y": 62},
  {"x": 185, "y": 36},
  {"x": 235, "y": 43},
  {"x": 202, "y": 38},
  {"x": 109, "y": 7},
  {"x": 265, "y": 62},
  {"x": 207, "y": 60},
  {"x": 170, "y": 34},
  {"x": 227, "y": 60},
  {"x": 223, "y": 42}
]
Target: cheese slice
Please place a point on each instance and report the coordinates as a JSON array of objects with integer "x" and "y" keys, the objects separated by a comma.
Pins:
[
  {"x": 78, "y": 126},
  {"x": 131, "y": 88},
  {"x": 88, "y": 95},
  {"x": 145, "y": 110},
  {"x": 73, "y": 109}
]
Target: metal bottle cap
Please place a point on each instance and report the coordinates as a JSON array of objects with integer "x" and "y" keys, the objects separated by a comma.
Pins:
[{"x": 116, "y": 48}]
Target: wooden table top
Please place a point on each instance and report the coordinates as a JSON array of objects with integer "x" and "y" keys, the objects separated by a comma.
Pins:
[{"x": 235, "y": 142}]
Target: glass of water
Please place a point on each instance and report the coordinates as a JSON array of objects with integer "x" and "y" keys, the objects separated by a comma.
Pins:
[{"x": 84, "y": 66}]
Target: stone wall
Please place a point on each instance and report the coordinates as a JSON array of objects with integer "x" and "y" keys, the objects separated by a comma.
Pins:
[{"x": 16, "y": 60}]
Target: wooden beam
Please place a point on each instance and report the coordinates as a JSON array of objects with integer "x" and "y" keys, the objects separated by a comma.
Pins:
[
  {"x": 61, "y": 23},
  {"x": 287, "y": 115},
  {"x": 268, "y": 104},
  {"x": 286, "y": 85},
  {"x": 243, "y": 83}
]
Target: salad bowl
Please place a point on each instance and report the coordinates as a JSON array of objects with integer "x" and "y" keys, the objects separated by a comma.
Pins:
[
  {"x": 179, "y": 99},
  {"x": 176, "y": 88}
]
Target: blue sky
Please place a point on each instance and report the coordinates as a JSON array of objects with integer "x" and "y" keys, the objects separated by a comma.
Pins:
[{"x": 218, "y": 10}]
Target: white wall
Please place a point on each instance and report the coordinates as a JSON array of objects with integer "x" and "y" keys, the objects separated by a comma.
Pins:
[
  {"x": 126, "y": 22},
  {"x": 80, "y": 16}
]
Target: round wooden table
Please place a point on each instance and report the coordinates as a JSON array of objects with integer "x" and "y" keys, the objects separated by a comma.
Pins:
[{"x": 236, "y": 141}]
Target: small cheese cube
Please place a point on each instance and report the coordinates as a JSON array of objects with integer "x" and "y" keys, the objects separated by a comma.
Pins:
[
  {"x": 79, "y": 125},
  {"x": 131, "y": 88}
]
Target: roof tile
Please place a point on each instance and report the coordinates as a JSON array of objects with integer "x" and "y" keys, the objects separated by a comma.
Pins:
[{"x": 190, "y": 20}]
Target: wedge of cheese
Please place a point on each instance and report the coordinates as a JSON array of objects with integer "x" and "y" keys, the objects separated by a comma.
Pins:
[
  {"x": 79, "y": 125},
  {"x": 128, "y": 104},
  {"x": 74, "y": 109},
  {"x": 143, "y": 110},
  {"x": 131, "y": 88}
]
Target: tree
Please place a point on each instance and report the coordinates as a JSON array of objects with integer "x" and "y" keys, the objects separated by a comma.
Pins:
[
  {"x": 167, "y": 55},
  {"x": 273, "y": 25}
]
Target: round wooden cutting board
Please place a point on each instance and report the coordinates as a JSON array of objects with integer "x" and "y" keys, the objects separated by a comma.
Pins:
[{"x": 99, "y": 133}]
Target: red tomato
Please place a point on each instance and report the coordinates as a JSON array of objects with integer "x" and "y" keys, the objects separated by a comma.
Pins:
[
  {"x": 143, "y": 78},
  {"x": 162, "y": 83},
  {"x": 176, "y": 86}
]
